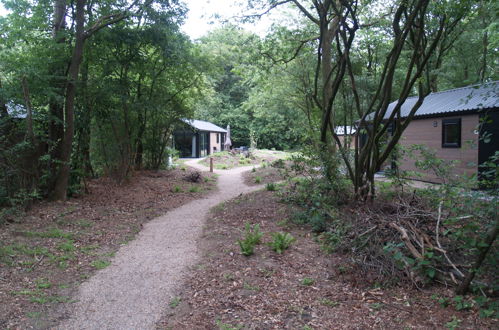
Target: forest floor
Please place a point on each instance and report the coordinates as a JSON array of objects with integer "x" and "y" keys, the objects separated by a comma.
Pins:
[
  {"x": 56, "y": 250},
  {"x": 302, "y": 288},
  {"x": 46, "y": 253}
]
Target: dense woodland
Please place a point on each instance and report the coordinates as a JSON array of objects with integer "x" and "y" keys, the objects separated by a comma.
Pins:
[{"x": 95, "y": 88}]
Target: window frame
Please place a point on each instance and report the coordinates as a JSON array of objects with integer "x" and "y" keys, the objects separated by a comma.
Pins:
[{"x": 446, "y": 123}]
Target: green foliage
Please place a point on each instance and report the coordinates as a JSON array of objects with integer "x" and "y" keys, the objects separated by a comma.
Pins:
[
  {"x": 252, "y": 237},
  {"x": 100, "y": 264},
  {"x": 328, "y": 302},
  {"x": 43, "y": 283},
  {"x": 194, "y": 189},
  {"x": 453, "y": 324},
  {"x": 281, "y": 241},
  {"x": 176, "y": 189},
  {"x": 51, "y": 233},
  {"x": 226, "y": 326},
  {"x": 175, "y": 302},
  {"x": 258, "y": 179},
  {"x": 67, "y": 246},
  {"x": 271, "y": 186},
  {"x": 307, "y": 281}
]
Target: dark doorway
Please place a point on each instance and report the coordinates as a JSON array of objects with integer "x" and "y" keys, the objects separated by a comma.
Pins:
[{"x": 185, "y": 143}]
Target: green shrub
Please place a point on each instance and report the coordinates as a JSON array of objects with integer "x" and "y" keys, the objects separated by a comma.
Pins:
[
  {"x": 176, "y": 189},
  {"x": 258, "y": 179},
  {"x": 271, "y": 186},
  {"x": 252, "y": 237},
  {"x": 281, "y": 241},
  {"x": 279, "y": 163},
  {"x": 100, "y": 264},
  {"x": 194, "y": 189}
]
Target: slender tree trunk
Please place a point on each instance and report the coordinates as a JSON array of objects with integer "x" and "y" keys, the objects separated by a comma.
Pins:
[
  {"x": 489, "y": 240},
  {"x": 57, "y": 70},
  {"x": 61, "y": 185},
  {"x": 4, "y": 113}
]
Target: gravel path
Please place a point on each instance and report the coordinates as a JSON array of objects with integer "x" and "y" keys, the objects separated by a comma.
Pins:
[{"x": 136, "y": 288}]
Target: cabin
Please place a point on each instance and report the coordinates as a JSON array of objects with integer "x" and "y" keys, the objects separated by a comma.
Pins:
[
  {"x": 347, "y": 136},
  {"x": 460, "y": 125},
  {"x": 198, "y": 138}
]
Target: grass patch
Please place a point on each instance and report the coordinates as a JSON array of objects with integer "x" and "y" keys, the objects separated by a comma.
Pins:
[
  {"x": 250, "y": 287},
  {"x": 226, "y": 326},
  {"x": 100, "y": 264},
  {"x": 85, "y": 223},
  {"x": 177, "y": 189},
  {"x": 307, "y": 281},
  {"x": 43, "y": 283},
  {"x": 51, "y": 233},
  {"x": 9, "y": 254},
  {"x": 271, "y": 186},
  {"x": 67, "y": 246},
  {"x": 329, "y": 302},
  {"x": 194, "y": 189}
]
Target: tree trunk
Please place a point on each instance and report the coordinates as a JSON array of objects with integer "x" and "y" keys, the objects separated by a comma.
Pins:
[
  {"x": 489, "y": 240},
  {"x": 4, "y": 113},
  {"x": 57, "y": 70},
  {"x": 61, "y": 185}
]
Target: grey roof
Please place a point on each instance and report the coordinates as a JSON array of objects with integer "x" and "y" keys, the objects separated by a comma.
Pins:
[
  {"x": 204, "y": 125},
  {"x": 16, "y": 110},
  {"x": 471, "y": 98}
]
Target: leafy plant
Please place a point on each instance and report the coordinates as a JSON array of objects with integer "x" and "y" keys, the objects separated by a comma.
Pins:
[
  {"x": 177, "y": 189},
  {"x": 258, "y": 179},
  {"x": 252, "y": 237},
  {"x": 281, "y": 241},
  {"x": 175, "y": 302},
  {"x": 271, "y": 186},
  {"x": 329, "y": 302},
  {"x": 194, "y": 189},
  {"x": 100, "y": 264},
  {"x": 453, "y": 324},
  {"x": 307, "y": 281},
  {"x": 226, "y": 326}
]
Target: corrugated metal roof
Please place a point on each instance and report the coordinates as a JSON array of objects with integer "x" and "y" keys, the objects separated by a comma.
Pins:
[
  {"x": 471, "y": 98},
  {"x": 16, "y": 110},
  {"x": 204, "y": 125}
]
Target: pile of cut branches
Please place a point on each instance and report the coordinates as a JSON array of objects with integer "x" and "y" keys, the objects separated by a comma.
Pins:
[{"x": 410, "y": 237}]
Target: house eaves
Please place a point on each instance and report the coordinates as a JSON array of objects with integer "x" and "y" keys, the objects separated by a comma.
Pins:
[
  {"x": 460, "y": 101},
  {"x": 202, "y": 125}
]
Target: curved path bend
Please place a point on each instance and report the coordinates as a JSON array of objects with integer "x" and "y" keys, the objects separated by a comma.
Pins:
[{"x": 134, "y": 290}]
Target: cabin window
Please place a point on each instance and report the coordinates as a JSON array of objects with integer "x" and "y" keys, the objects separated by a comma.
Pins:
[
  {"x": 218, "y": 137},
  {"x": 451, "y": 133}
]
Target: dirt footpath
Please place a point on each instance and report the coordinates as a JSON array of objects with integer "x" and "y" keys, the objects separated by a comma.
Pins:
[{"x": 132, "y": 292}]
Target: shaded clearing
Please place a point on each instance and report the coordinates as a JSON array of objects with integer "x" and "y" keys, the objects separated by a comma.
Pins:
[
  {"x": 46, "y": 254},
  {"x": 302, "y": 287}
]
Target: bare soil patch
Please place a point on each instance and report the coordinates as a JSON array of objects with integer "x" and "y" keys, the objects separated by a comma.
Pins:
[
  {"x": 262, "y": 175},
  {"x": 45, "y": 255},
  {"x": 303, "y": 288},
  {"x": 227, "y": 160}
]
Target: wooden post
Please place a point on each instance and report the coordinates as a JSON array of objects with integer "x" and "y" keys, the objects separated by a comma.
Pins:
[{"x": 211, "y": 164}]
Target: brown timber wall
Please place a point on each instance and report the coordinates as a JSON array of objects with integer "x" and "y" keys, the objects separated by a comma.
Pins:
[
  {"x": 422, "y": 131},
  {"x": 214, "y": 145}
]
